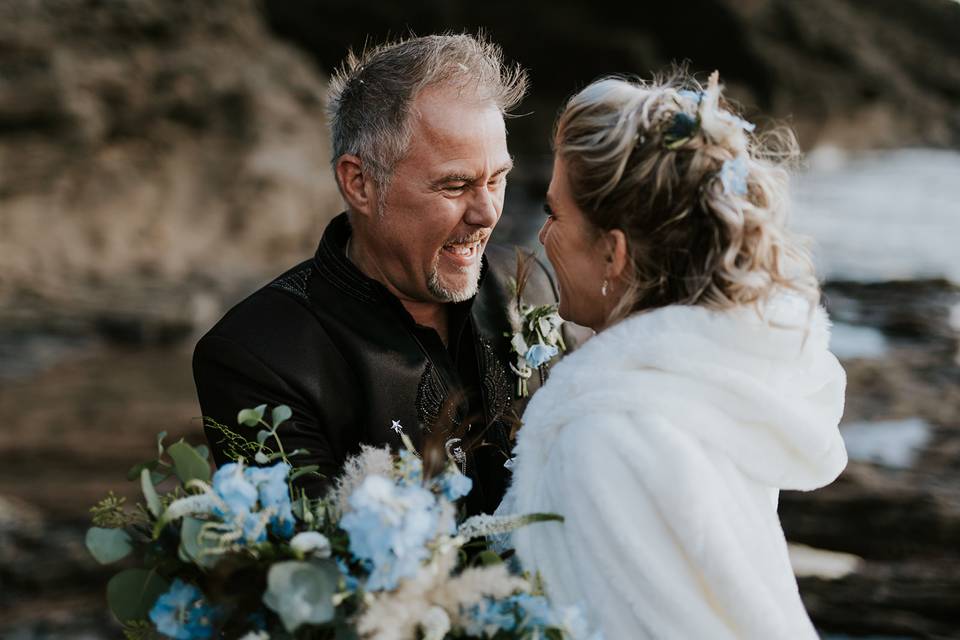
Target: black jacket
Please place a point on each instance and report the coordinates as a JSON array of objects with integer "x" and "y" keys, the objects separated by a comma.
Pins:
[{"x": 349, "y": 360}]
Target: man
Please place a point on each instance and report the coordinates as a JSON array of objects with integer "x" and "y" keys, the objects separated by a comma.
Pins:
[{"x": 401, "y": 308}]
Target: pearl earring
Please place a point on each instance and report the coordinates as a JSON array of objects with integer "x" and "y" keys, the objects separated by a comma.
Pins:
[{"x": 603, "y": 289}]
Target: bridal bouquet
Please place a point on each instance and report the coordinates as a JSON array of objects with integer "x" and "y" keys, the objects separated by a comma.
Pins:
[{"x": 241, "y": 553}]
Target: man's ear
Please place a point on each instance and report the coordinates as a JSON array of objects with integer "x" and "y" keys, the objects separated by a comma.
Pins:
[
  {"x": 617, "y": 254},
  {"x": 356, "y": 185}
]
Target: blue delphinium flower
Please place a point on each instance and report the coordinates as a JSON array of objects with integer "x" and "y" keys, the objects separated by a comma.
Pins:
[
  {"x": 274, "y": 494},
  {"x": 389, "y": 526},
  {"x": 182, "y": 614},
  {"x": 733, "y": 175},
  {"x": 539, "y": 354}
]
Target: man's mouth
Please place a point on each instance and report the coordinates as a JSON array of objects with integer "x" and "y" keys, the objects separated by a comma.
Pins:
[{"x": 465, "y": 251}]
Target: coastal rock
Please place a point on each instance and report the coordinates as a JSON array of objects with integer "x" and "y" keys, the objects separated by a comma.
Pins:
[{"x": 147, "y": 143}]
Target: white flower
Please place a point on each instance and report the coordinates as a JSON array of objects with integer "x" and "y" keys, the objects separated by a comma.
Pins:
[
  {"x": 311, "y": 542},
  {"x": 435, "y": 624},
  {"x": 519, "y": 344},
  {"x": 256, "y": 635}
]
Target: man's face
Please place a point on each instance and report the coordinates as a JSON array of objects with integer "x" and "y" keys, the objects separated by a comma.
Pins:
[{"x": 443, "y": 201}]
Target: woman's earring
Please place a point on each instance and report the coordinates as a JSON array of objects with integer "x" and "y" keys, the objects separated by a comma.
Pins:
[{"x": 603, "y": 289}]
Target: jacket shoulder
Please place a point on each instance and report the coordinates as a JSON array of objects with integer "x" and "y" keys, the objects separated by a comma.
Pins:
[
  {"x": 502, "y": 264},
  {"x": 275, "y": 317}
]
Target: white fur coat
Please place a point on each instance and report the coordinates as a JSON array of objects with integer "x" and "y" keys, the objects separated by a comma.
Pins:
[{"x": 664, "y": 442}]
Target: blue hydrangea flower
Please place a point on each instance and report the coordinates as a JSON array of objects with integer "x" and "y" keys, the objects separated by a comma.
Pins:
[
  {"x": 489, "y": 617},
  {"x": 733, "y": 175},
  {"x": 246, "y": 491},
  {"x": 535, "y": 611},
  {"x": 389, "y": 526},
  {"x": 411, "y": 467},
  {"x": 234, "y": 488},
  {"x": 273, "y": 492},
  {"x": 540, "y": 354},
  {"x": 350, "y": 581},
  {"x": 182, "y": 614},
  {"x": 454, "y": 485}
]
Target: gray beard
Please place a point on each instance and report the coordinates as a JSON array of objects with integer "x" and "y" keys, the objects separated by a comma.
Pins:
[{"x": 451, "y": 295}]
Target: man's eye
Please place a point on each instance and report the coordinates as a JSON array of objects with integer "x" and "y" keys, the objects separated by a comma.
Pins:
[{"x": 455, "y": 188}]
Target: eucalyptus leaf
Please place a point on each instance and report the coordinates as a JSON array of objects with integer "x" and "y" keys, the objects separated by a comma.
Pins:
[
  {"x": 132, "y": 593},
  {"x": 158, "y": 476},
  {"x": 297, "y": 452},
  {"x": 108, "y": 545},
  {"x": 203, "y": 451},
  {"x": 135, "y": 470},
  {"x": 150, "y": 493},
  {"x": 304, "y": 470},
  {"x": 193, "y": 546},
  {"x": 160, "y": 437},
  {"x": 262, "y": 436},
  {"x": 302, "y": 592},
  {"x": 488, "y": 558},
  {"x": 251, "y": 417},
  {"x": 280, "y": 415},
  {"x": 188, "y": 464}
]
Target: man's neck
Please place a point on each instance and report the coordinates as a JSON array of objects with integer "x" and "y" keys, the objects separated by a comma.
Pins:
[{"x": 426, "y": 314}]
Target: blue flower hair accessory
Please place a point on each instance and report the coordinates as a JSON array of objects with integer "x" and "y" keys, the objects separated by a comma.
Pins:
[{"x": 733, "y": 175}]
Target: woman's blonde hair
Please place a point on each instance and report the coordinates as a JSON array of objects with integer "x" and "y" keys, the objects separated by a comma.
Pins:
[{"x": 702, "y": 201}]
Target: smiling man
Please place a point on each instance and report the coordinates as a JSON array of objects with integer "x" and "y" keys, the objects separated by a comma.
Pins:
[{"x": 404, "y": 304}]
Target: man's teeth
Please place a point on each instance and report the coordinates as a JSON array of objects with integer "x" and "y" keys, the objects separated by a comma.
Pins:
[{"x": 463, "y": 249}]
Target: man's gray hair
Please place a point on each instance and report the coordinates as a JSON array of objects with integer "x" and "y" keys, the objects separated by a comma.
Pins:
[{"x": 370, "y": 95}]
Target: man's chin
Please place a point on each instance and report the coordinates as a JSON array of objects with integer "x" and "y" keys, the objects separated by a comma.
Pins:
[{"x": 454, "y": 287}]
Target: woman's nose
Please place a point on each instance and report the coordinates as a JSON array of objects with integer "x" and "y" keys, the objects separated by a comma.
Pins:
[{"x": 542, "y": 236}]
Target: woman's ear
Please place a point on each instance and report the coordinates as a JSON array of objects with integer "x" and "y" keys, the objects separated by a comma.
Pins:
[
  {"x": 616, "y": 253},
  {"x": 356, "y": 186}
]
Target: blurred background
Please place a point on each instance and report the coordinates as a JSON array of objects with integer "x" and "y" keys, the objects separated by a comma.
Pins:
[{"x": 160, "y": 159}]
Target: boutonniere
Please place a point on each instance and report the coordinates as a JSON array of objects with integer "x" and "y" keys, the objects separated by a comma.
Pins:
[{"x": 536, "y": 338}]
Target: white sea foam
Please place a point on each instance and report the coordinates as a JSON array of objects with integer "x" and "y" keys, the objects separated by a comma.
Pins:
[
  {"x": 849, "y": 341},
  {"x": 882, "y": 216},
  {"x": 891, "y": 443}
]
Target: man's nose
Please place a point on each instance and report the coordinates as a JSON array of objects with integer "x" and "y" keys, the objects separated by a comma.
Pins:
[{"x": 484, "y": 209}]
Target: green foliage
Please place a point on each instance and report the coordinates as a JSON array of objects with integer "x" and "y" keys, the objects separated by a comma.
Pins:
[
  {"x": 251, "y": 417},
  {"x": 110, "y": 513},
  {"x": 132, "y": 593},
  {"x": 150, "y": 494},
  {"x": 302, "y": 592},
  {"x": 140, "y": 630},
  {"x": 188, "y": 464},
  {"x": 236, "y": 446},
  {"x": 108, "y": 545},
  {"x": 194, "y": 547}
]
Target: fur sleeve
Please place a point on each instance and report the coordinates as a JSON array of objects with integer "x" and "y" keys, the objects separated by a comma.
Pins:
[{"x": 660, "y": 540}]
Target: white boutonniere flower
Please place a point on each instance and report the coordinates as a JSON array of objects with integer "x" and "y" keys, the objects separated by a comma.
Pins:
[{"x": 536, "y": 337}]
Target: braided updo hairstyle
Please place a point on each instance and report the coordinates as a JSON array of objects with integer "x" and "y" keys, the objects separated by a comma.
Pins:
[{"x": 700, "y": 199}]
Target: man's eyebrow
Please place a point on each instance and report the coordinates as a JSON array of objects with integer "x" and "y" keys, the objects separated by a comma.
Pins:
[{"x": 506, "y": 168}]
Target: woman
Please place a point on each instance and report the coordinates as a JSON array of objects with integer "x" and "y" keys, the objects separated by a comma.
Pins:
[{"x": 709, "y": 387}]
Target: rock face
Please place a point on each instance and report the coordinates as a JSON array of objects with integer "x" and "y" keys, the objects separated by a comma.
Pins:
[
  {"x": 904, "y": 522},
  {"x": 856, "y": 73},
  {"x": 152, "y": 142}
]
